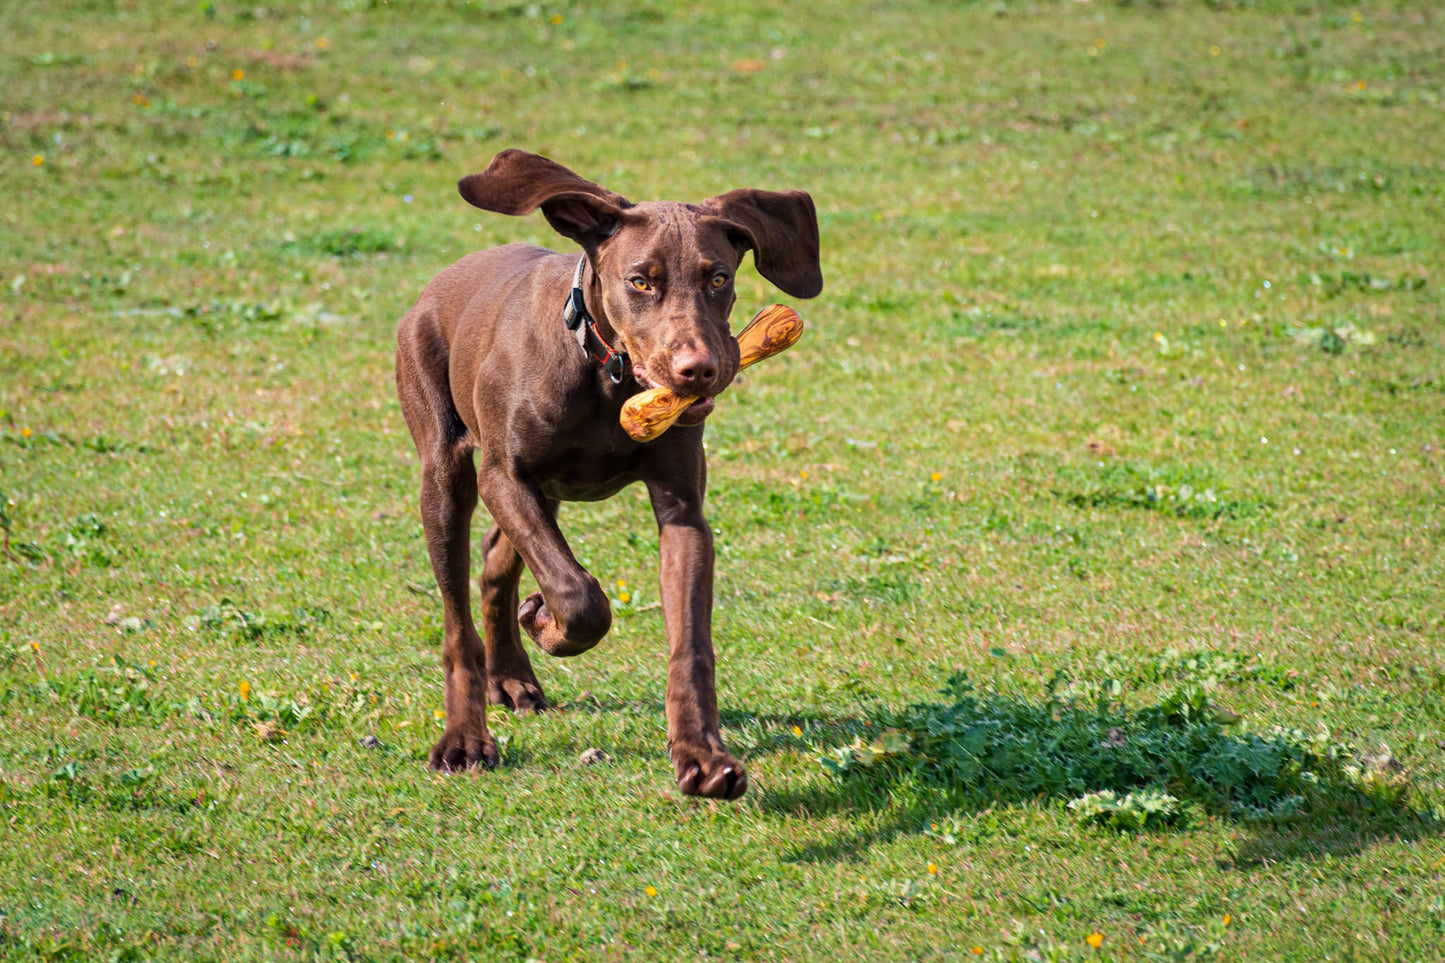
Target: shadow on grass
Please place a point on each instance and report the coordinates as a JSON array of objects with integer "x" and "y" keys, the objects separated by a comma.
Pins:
[{"x": 1161, "y": 768}]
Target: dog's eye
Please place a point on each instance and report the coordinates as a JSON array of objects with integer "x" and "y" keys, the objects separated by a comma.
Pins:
[
  {"x": 719, "y": 279},
  {"x": 640, "y": 284}
]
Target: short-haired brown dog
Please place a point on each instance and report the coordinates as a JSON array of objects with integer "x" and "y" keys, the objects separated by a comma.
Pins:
[{"x": 521, "y": 358}]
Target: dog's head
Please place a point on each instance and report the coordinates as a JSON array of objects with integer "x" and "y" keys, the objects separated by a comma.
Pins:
[{"x": 664, "y": 270}]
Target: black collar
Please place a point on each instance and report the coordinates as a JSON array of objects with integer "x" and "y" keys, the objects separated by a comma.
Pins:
[{"x": 584, "y": 326}]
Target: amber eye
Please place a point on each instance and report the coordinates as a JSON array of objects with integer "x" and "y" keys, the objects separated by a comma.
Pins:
[
  {"x": 718, "y": 280},
  {"x": 641, "y": 284}
]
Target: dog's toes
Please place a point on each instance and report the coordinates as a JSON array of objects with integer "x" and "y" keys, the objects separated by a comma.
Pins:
[
  {"x": 689, "y": 779},
  {"x": 519, "y": 695},
  {"x": 534, "y": 616},
  {"x": 728, "y": 782},
  {"x": 464, "y": 748},
  {"x": 713, "y": 776}
]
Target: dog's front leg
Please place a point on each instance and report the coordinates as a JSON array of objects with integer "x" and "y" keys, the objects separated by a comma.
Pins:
[
  {"x": 571, "y": 613},
  {"x": 704, "y": 767}
]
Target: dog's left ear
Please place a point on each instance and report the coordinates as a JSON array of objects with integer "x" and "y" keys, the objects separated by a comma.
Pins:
[
  {"x": 517, "y": 183},
  {"x": 781, "y": 227}
]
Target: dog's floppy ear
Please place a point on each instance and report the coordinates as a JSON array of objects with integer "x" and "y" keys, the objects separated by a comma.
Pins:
[
  {"x": 781, "y": 227},
  {"x": 516, "y": 183}
]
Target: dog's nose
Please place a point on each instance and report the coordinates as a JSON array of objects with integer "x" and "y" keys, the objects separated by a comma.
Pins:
[{"x": 694, "y": 370}]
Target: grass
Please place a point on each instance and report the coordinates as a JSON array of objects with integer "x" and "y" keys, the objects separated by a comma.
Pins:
[{"x": 1123, "y": 399}]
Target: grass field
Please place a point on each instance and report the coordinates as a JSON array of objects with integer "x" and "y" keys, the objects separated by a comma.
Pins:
[{"x": 1125, "y": 397}]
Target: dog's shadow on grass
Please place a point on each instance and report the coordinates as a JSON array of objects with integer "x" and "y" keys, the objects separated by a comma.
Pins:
[
  {"x": 1018, "y": 753},
  {"x": 1341, "y": 827},
  {"x": 965, "y": 765}
]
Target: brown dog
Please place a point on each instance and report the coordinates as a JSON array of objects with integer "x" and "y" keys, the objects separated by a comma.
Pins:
[{"x": 525, "y": 357}]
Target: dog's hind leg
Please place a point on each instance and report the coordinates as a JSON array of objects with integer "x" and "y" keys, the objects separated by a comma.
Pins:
[
  {"x": 510, "y": 679},
  {"x": 448, "y": 498}
]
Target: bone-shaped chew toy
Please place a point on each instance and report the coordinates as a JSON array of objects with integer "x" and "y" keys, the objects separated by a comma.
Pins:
[{"x": 775, "y": 328}]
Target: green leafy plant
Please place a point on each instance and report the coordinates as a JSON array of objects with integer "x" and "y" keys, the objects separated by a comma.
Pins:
[
  {"x": 1130, "y": 811},
  {"x": 1131, "y": 765}
]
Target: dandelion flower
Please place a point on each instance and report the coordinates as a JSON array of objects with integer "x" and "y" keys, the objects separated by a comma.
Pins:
[
  {"x": 651, "y": 890},
  {"x": 245, "y": 688},
  {"x": 932, "y": 869},
  {"x": 1228, "y": 919},
  {"x": 1214, "y": 50},
  {"x": 322, "y": 43},
  {"x": 238, "y": 74},
  {"x": 1095, "y": 940},
  {"x": 37, "y": 160},
  {"x": 797, "y": 730},
  {"x": 936, "y": 476},
  {"x": 624, "y": 597},
  {"x": 976, "y": 950},
  {"x": 25, "y": 432},
  {"x": 556, "y": 19},
  {"x": 438, "y": 714}
]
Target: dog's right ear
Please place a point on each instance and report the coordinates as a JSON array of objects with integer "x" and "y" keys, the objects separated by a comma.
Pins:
[{"x": 517, "y": 183}]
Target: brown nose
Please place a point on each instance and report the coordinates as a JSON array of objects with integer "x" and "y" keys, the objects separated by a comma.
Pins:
[{"x": 694, "y": 370}]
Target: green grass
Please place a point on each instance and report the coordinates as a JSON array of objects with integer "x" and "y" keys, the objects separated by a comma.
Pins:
[{"x": 1123, "y": 398}]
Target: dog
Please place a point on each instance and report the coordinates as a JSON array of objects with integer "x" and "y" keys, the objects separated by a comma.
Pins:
[{"x": 512, "y": 367}]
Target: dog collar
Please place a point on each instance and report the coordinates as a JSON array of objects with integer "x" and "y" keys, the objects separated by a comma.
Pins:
[{"x": 581, "y": 323}]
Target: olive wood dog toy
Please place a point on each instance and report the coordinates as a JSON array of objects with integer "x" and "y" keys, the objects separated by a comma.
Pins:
[{"x": 775, "y": 328}]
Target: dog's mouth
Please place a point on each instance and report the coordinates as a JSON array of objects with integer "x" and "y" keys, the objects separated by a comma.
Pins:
[{"x": 696, "y": 412}]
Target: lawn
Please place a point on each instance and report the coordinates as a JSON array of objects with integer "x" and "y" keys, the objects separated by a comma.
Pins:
[{"x": 1081, "y": 572}]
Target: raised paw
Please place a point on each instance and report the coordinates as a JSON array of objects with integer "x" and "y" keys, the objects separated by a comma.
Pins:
[
  {"x": 538, "y": 622},
  {"x": 715, "y": 775},
  {"x": 463, "y": 747},
  {"x": 519, "y": 695}
]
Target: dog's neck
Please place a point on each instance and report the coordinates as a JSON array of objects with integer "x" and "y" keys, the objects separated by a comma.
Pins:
[{"x": 593, "y": 333}]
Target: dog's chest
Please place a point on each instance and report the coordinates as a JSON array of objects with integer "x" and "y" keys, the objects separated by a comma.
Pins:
[{"x": 589, "y": 471}]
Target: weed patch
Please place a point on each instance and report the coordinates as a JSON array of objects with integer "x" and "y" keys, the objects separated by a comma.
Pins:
[
  {"x": 1181, "y": 491},
  {"x": 1130, "y": 769}
]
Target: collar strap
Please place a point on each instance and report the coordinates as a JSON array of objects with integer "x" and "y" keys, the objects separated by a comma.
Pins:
[{"x": 581, "y": 323}]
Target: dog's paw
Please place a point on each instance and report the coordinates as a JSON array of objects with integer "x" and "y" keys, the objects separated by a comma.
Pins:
[
  {"x": 714, "y": 775},
  {"x": 537, "y": 621},
  {"x": 464, "y": 747},
  {"x": 519, "y": 695}
]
